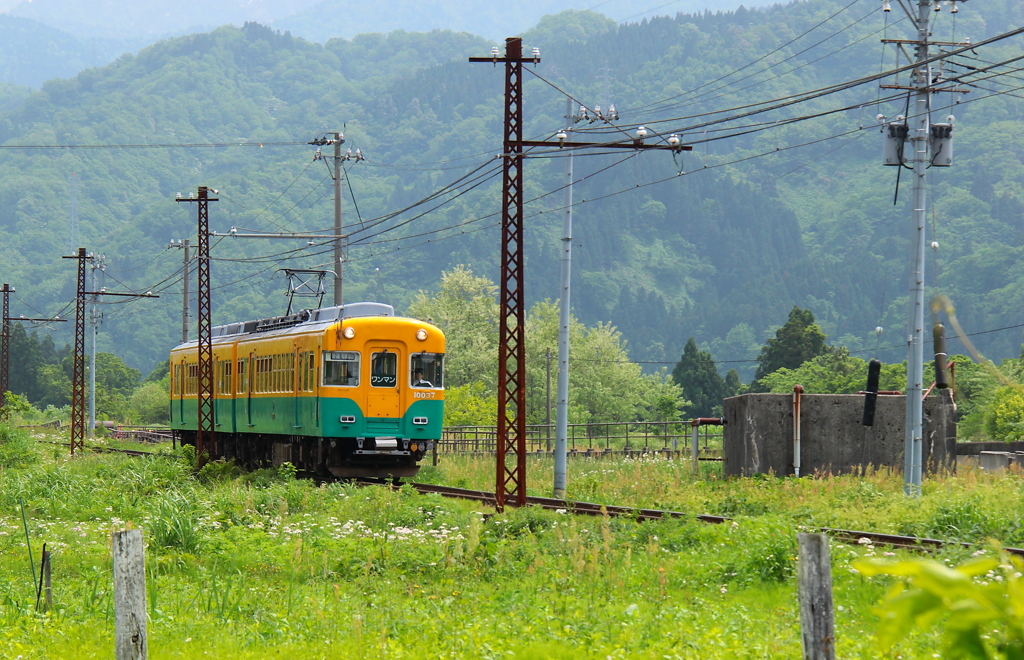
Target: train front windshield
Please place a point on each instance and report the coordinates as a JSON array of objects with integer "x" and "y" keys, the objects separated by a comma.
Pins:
[{"x": 427, "y": 370}]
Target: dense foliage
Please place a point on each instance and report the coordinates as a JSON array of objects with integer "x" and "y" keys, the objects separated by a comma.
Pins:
[
  {"x": 604, "y": 386},
  {"x": 737, "y": 234},
  {"x": 721, "y": 253}
]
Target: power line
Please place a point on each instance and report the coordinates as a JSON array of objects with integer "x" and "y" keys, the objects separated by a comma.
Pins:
[{"x": 193, "y": 145}]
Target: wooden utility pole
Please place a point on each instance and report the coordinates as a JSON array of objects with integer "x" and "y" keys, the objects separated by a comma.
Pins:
[
  {"x": 510, "y": 479},
  {"x": 204, "y": 399}
]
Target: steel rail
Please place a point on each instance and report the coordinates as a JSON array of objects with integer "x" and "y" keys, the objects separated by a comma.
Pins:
[
  {"x": 589, "y": 508},
  {"x": 849, "y": 536}
]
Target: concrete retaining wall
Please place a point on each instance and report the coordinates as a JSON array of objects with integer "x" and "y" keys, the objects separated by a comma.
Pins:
[{"x": 759, "y": 433}]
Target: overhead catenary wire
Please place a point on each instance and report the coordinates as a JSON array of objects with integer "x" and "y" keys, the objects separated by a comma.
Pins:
[
  {"x": 745, "y": 66},
  {"x": 393, "y": 215}
]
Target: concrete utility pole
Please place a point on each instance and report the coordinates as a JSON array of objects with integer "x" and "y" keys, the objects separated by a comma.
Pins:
[
  {"x": 339, "y": 261},
  {"x": 183, "y": 245},
  {"x": 915, "y": 348},
  {"x": 95, "y": 263},
  {"x": 562, "y": 386},
  {"x": 338, "y": 175},
  {"x": 924, "y": 139},
  {"x": 511, "y": 433}
]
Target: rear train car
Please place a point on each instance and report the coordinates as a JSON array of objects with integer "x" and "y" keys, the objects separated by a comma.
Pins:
[{"x": 348, "y": 391}]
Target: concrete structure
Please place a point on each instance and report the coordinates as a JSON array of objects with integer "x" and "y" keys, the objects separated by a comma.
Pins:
[
  {"x": 759, "y": 433},
  {"x": 990, "y": 461}
]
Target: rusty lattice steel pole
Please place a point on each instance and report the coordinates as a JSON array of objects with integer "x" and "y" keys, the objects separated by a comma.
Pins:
[
  {"x": 204, "y": 399},
  {"x": 5, "y": 348},
  {"x": 510, "y": 484},
  {"x": 78, "y": 371}
]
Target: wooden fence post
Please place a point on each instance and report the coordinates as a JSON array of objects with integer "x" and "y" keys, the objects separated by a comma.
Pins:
[
  {"x": 815, "y": 587},
  {"x": 47, "y": 582},
  {"x": 129, "y": 595}
]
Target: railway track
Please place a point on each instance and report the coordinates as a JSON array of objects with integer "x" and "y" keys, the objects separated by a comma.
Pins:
[
  {"x": 103, "y": 450},
  {"x": 915, "y": 543},
  {"x": 588, "y": 508}
]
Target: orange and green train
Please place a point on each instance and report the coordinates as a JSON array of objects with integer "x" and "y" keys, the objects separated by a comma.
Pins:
[{"x": 349, "y": 391}]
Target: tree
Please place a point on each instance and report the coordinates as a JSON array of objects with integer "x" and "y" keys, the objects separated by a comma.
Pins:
[
  {"x": 604, "y": 385},
  {"x": 1004, "y": 416},
  {"x": 702, "y": 386},
  {"x": 733, "y": 386},
  {"x": 466, "y": 310},
  {"x": 470, "y": 405},
  {"x": 149, "y": 404},
  {"x": 835, "y": 372},
  {"x": 796, "y": 342}
]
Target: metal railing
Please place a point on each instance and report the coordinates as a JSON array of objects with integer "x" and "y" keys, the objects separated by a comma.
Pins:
[{"x": 602, "y": 436}]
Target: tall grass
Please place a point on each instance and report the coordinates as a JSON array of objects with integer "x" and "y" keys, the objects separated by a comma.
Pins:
[{"x": 261, "y": 564}]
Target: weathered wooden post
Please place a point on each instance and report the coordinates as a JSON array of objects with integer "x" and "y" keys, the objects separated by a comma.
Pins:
[
  {"x": 47, "y": 583},
  {"x": 815, "y": 587},
  {"x": 129, "y": 595}
]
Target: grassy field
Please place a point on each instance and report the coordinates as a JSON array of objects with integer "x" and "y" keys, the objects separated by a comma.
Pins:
[{"x": 263, "y": 565}]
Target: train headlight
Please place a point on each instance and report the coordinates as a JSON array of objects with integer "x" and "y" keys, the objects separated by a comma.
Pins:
[
  {"x": 349, "y": 332},
  {"x": 413, "y": 447},
  {"x": 421, "y": 334}
]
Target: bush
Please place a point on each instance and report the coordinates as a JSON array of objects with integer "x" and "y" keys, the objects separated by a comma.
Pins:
[
  {"x": 1004, "y": 419},
  {"x": 149, "y": 405},
  {"x": 16, "y": 447}
]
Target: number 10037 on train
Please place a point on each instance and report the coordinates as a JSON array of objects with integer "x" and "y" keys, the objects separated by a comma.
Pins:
[{"x": 349, "y": 391}]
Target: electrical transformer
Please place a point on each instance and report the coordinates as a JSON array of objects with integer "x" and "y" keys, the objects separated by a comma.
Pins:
[
  {"x": 896, "y": 149},
  {"x": 942, "y": 145}
]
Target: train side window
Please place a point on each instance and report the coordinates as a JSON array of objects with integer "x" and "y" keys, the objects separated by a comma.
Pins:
[
  {"x": 241, "y": 377},
  {"x": 341, "y": 368},
  {"x": 384, "y": 369},
  {"x": 426, "y": 370}
]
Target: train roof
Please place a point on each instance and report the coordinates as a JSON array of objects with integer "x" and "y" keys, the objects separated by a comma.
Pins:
[{"x": 302, "y": 321}]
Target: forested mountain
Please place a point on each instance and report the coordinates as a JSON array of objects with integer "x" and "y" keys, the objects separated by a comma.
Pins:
[
  {"x": 43, "y": 39},
  {"x": 736, "y": 233},
  {"x": 31, "y": 52}
]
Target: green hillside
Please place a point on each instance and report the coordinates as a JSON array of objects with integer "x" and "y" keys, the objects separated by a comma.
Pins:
[{"x": 753, "y": 225}]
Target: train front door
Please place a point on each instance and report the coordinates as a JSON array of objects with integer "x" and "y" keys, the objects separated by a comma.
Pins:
[{"x": 384, "y": 397}]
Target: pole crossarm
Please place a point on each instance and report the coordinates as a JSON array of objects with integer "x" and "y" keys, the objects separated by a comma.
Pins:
[
  {"x": 325, "y": 237},
  {"x": 204, "y": 398},
  {"x": 605, "y": 145},
  {"x": 123, "y": 295}
]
